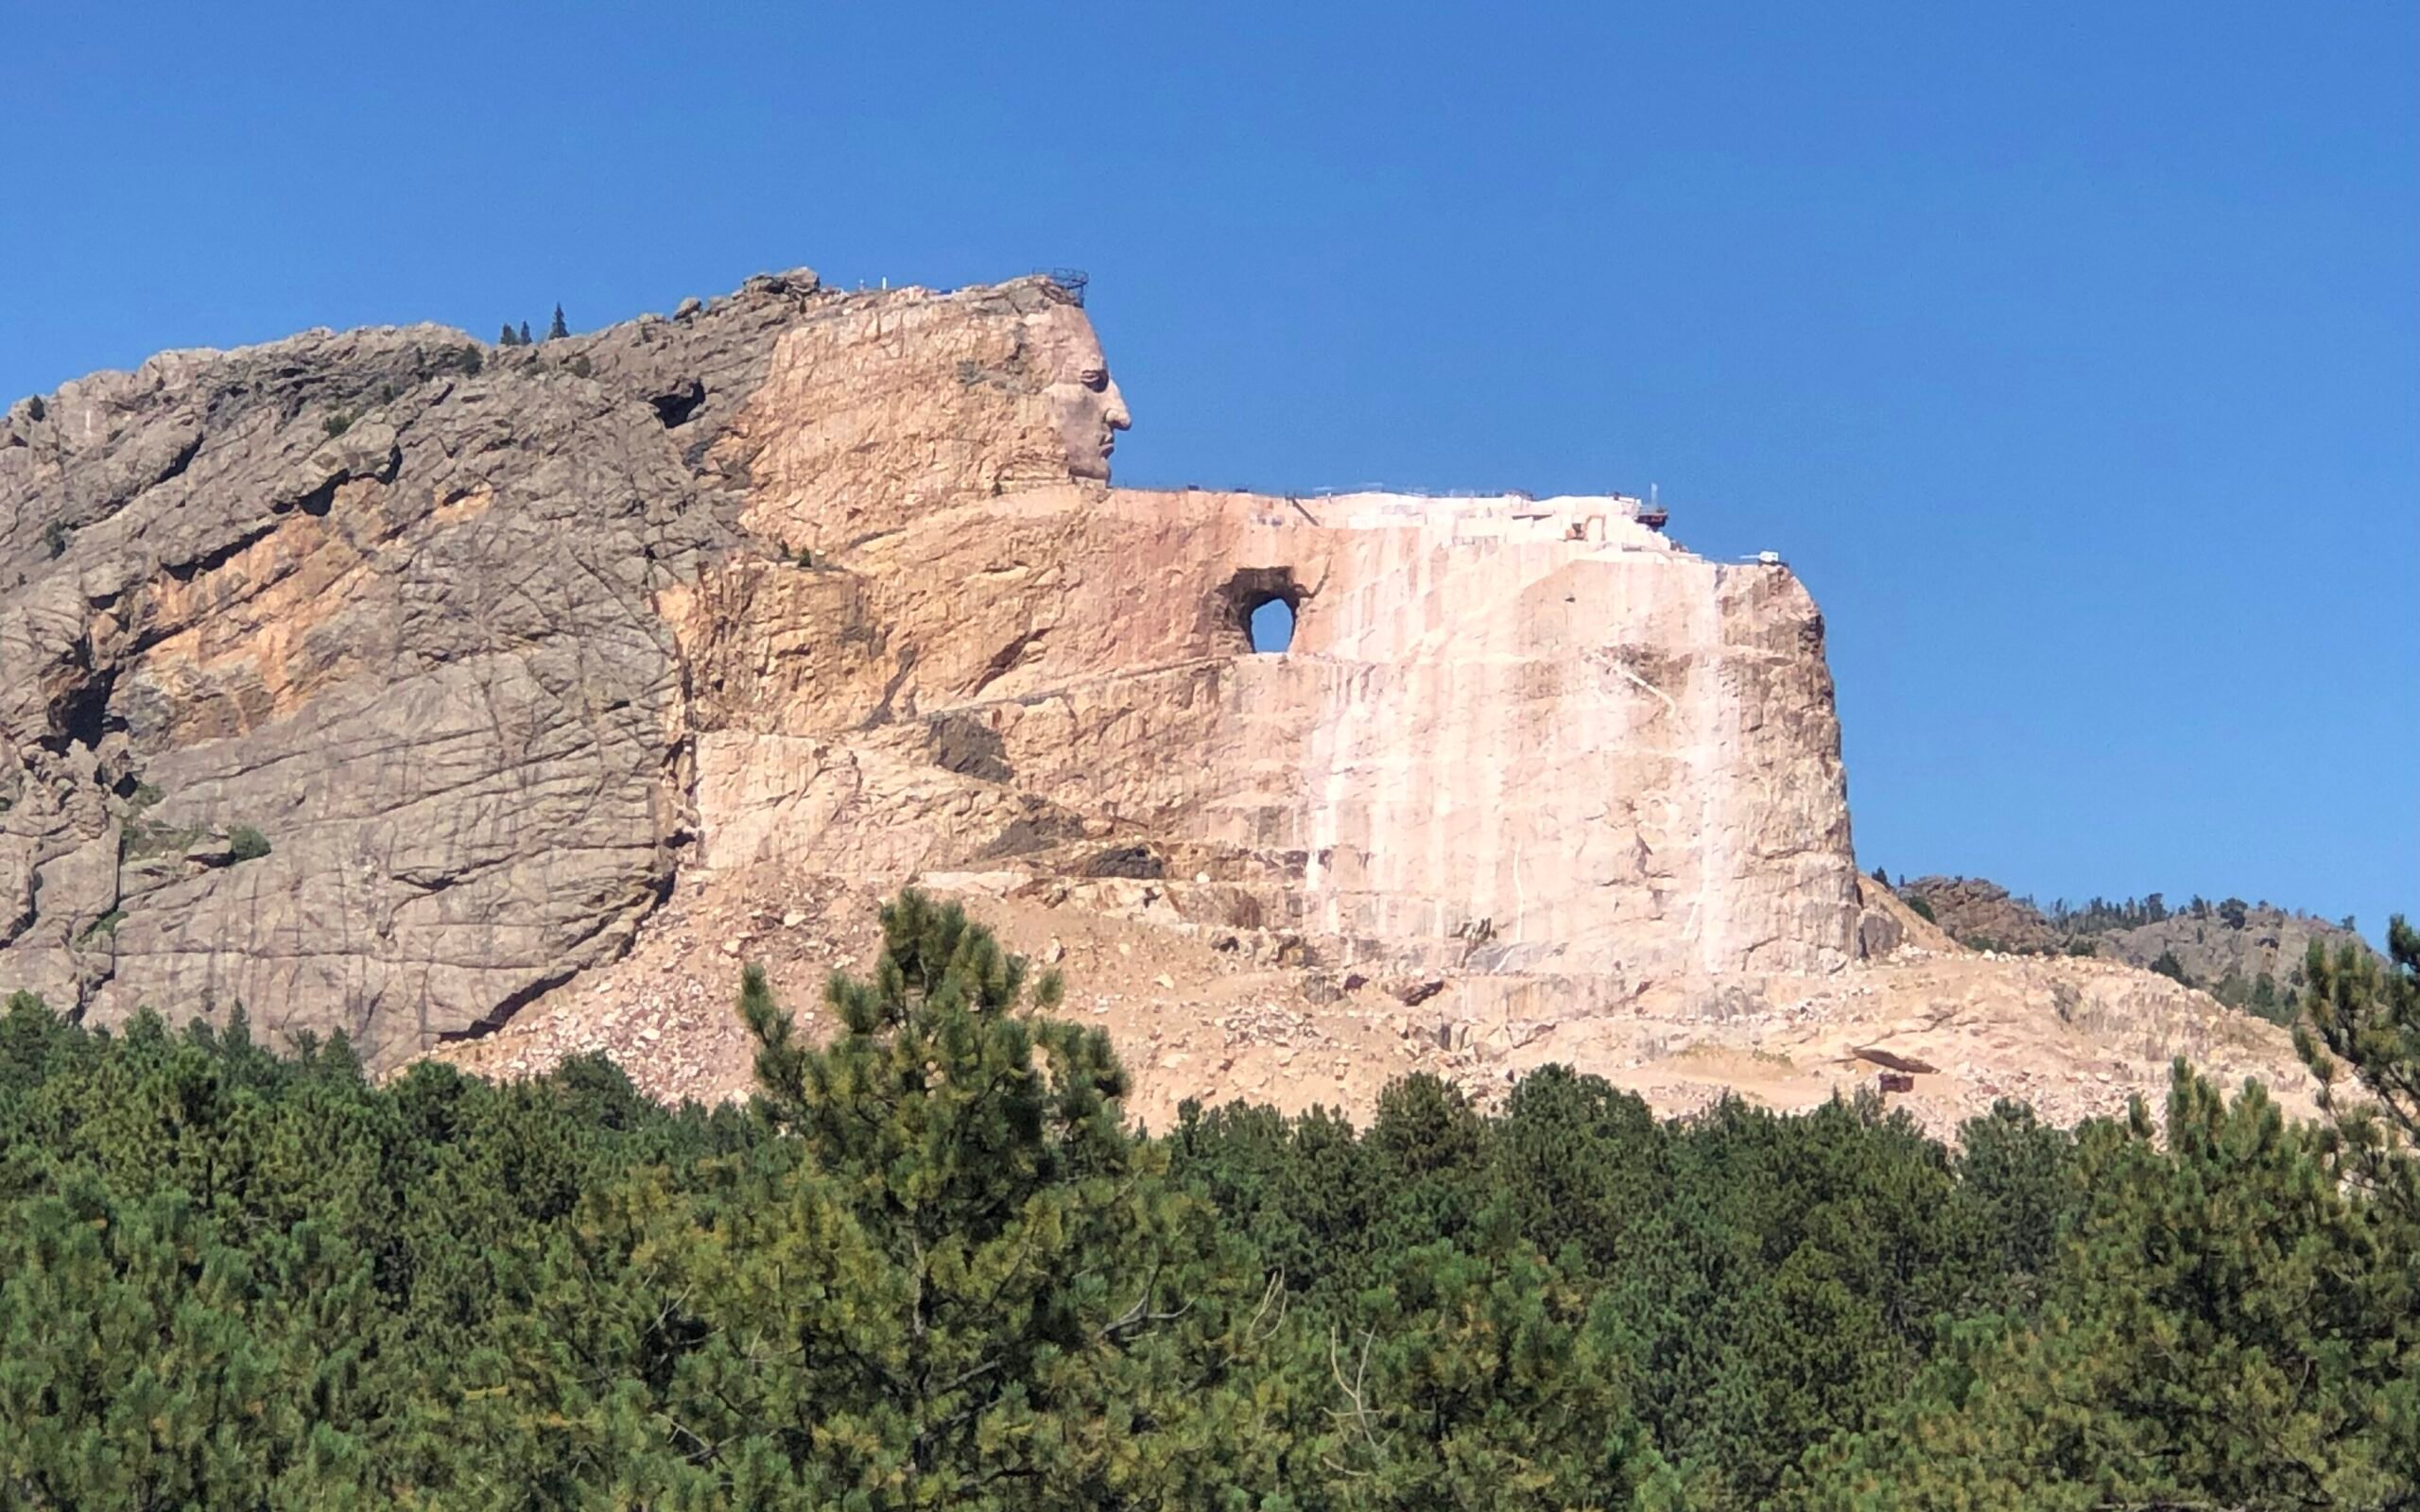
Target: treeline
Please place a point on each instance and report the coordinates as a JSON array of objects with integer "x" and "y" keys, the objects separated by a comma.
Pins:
[
  {"x": 2100, "y": 916},
  {"x": 556, "y": 330},
  {"x": 931, "y": 1265}
]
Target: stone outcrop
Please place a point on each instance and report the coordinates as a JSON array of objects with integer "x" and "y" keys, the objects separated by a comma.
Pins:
[
  {"x": 2232, "y": 945},
  {"x": 383, "y": 681},
  {"x": 1983, "y": 916},
  {"x": 2227, "y": 946}
]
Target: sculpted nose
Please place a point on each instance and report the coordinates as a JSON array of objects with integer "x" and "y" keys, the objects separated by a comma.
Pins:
[{"x": 1114, "y": 410}]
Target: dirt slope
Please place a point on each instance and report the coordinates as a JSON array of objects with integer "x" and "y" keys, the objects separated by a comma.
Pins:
[{"x": 1216, "y": 1014}]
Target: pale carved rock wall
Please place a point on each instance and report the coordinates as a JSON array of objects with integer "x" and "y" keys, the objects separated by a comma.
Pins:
[
  {"x": 873, "y": 418},
  {"x": 1621, "y": 757},
  {"x": 490, "y": 644}
]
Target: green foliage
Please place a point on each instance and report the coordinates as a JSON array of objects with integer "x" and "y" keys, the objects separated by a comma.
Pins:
[
  {"x": 558, "y": 330},
  {"x": 1484, "y": 1380},
  {"x": 2169, "y": 967},
  {"x": 2364, "y": 1018},
  {"x": 2100, "y": 915},
  {"x": 932, "y": 1264},
  {"x": 338, "y": 423},
  {"x": 2268, "y": 1002},
  {"x": 1923, "y": 909},
  {"x": 993, "y": 1280},
  {"x": 53, "y": 539},
  {"x": 2219, "y": 1330},
  {"x": 244, "y": 843},
  {"x": 139, "y": 838}
]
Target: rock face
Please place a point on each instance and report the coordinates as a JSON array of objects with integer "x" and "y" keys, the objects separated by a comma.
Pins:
[
  {"x": 2227, "y": 947},
  {"x": 1981, "y": 915},
  {"x": 1492, "y": 745},
  {"x": 383, "y": 681}
]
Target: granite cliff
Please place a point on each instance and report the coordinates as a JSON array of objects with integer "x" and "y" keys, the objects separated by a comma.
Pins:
[{"x": 391, "y": 683}]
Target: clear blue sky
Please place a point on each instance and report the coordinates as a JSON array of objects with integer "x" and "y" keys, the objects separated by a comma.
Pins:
[{"x": 2071, "y": 352}]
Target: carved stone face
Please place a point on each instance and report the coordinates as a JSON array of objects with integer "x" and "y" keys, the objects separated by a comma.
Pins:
[{"x": 1085, "y": 407}]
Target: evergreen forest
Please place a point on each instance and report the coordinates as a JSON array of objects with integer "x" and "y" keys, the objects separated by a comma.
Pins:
[{"x": 932, "y": 1264}]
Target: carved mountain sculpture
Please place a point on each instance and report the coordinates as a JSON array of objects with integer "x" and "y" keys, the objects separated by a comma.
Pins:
[{"x": 385, "y": 681}]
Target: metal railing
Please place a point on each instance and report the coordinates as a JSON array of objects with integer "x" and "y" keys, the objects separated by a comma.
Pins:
[{"x": 1073, "y": 280}]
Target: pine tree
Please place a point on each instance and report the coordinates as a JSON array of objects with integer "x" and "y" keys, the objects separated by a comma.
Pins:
[
  {"x": 933, "y": 1265},
  {"x": 2226, "y": 1325},
  {"x": 507, "y": 337},
  {"x": 525, "y": 335},
  {"x": 2365, "y": 1018},
  {"x": 557, "y": 331},
  {"x": 1480, "y": 1380},
  {"x": 991, "y": 1278}
]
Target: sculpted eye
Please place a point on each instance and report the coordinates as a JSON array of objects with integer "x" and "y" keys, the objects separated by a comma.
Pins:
[{"x": 1095, "y": 378}]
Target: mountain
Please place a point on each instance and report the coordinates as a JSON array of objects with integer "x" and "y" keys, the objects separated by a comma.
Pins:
[{"x": 501, "y": 701}]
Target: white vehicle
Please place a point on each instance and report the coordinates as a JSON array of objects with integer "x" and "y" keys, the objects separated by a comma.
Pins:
[{"x": 1769, "y": 558}]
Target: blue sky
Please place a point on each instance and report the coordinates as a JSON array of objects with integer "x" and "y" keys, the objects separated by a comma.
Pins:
[{"x": 2071, "y": 352}]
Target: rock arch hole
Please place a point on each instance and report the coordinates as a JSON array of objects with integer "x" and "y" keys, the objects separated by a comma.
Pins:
[{"x": 1262, "y": 603}]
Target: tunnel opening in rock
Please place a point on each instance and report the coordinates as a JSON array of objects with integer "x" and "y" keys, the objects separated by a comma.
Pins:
[{"x": 1262, "y": 603}]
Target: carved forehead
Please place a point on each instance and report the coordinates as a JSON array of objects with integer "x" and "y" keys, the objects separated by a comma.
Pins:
[{"x": 1062, "y": 343}]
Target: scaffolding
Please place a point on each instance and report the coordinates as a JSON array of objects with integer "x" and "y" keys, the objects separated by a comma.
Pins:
[{"x": 1072, "y": 279}]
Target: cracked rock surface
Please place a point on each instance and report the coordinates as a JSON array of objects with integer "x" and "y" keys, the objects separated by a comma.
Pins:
[
  {"x": 388, "y": 681},
  {"x": 330, "y": 678}
]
